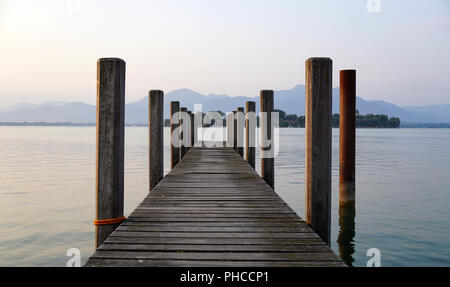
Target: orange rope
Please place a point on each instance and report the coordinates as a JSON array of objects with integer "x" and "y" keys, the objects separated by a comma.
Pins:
[{"x": 109, "y": 221}]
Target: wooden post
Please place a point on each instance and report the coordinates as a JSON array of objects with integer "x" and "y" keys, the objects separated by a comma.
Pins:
[
  {"x": 110, "y": 145},
  {"x": 318, "y": 145},
  {"x": 155, "y": 137},
  {"x": 188, "y": 116},
  {"x": 267, "y": 132},
  {"x": 191, "y": 116},
  {"x": 198, "y": 126},
  {"x": 183, "y": 132},
  {"x": 240, "y": 131},
  {"x": 250, "y": 133},
  {"x": 230, "y": 133},
  {"x": 234, "y": 131},
  {"x": 227, "y": 128},
  {"x": 347, "y": 137},
  {"x": 174, "y": 133}
]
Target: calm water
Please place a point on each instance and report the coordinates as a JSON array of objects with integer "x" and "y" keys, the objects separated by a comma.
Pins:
[{"x": 403, "y": 191}]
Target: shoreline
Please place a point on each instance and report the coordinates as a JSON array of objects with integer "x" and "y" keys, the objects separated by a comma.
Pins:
[{"x": 69, "y": 124}]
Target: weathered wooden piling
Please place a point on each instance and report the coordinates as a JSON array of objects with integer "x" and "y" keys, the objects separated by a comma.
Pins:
[
  {"x": 240, "y": 130},
  {"x": 183, "y": 132},
  {"x": 155, "y": 137},
  {"x": 188, "y": 135},
  {"x": 347, "y": 137},
  {"x": 227, "y": 129},
  {"x": 110, "y": 146},
  {"x": 191, "y": 116},
  {"x": 230, "y": 130},
  {"x": 267, "y": 140},
  {"x": 198, "y": 125},
  {"x": 250, "y": 132},
  {"x": 234, "y": 118},
  {"x": 174, "y": 133},
  {"x": 318, "y": 145}
]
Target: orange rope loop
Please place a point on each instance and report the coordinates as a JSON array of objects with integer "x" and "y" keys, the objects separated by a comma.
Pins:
[{"x": 109, "y": 221}]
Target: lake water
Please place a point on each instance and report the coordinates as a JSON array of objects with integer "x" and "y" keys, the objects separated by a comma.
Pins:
[{"x": 47, "y": 200}]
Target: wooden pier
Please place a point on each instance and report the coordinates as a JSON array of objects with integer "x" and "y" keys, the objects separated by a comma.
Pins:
[{"x": 213, "y": 209}]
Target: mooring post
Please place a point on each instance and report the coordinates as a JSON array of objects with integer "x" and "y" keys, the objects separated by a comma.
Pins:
[
  {"x": 155, "y": 137},
  {"x": 191, "y": 116},
  {"x": 267, "y": 140},
  {"x": 347, "y": 137},
  {"x": 250, "y": 132},
  {"x": 227, "y": 129},
  {"x": 230, "y": 133},
  {"x": 240, "y": 130},
  {"x": 183, "y": 132},
  {"x": 188, "y": 135},
  {"x": 318, "y": 145},
  {"x": 174, "y": 133},
  {"x": 234, "y": 130},
  {"x": 110, "y": 146}
]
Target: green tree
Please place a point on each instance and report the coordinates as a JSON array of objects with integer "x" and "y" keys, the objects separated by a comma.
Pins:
[{"x": 335, "y": 121}]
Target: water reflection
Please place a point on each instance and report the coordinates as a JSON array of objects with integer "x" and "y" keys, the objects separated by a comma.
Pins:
[{"x": 346, "y": 235}]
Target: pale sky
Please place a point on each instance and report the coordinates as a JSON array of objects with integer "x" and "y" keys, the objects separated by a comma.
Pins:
[{"x": 49, "y": 48}]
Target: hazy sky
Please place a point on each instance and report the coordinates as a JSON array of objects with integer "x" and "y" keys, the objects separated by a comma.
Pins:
[{"x": 49, "y": 49}]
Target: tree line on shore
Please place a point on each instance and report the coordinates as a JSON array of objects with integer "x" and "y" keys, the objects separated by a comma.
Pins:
[
  {"x": 361, "y": 121},
  {"x": 294, "y": 121}
]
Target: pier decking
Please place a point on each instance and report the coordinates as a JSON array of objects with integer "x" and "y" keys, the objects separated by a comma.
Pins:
[{"x": 213, "y": 209}]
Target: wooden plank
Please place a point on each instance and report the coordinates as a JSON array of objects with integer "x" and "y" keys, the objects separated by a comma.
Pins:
[
  {"x": 213, "y": 205},
  {"x": 217, "y": 224},
  {"x": 199, "y": 215},
  {"x": 234, "y": 229},
  {"x": 198, "y": 198},
  {"x": 210, "y": 220},
  {"x": 250, "y": 210},
  {"x": 309, "y": 248},
  {"x": 213, "y": 241},
  {"x": 233, "y": 235},
  {"x": 206, "y": 263},
  {"x": 244, "y": 256},
  {"x": 211, "y": 184}
]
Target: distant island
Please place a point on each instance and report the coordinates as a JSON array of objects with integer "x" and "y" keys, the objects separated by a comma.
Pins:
[{"x": 362, "y": 121}]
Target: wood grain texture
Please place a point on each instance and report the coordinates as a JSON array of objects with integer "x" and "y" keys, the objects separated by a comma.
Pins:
[
  {"x": 155, "y": 137},
  {"x": 250, "y": 132},
  {"x": 267, "y": 138},
  {"x": 213, "y": 209},
  {"x": 318, "y": 145},
  {"x": 110, "y": 144}
]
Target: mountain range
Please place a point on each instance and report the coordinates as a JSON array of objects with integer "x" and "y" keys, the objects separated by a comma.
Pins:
[{"x": 291, "y": 101}]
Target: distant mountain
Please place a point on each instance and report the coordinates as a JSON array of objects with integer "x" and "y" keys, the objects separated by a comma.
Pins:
[
  {"x": 434, "y": 114},
  {"x": 76, "y": 112},
  {"x": 30, "y": 106},
  {"x": 291, "y": 101}
]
